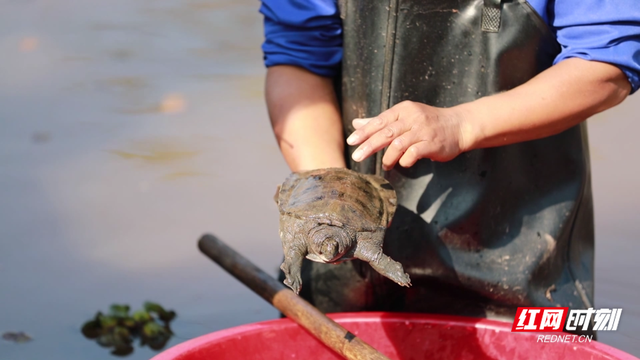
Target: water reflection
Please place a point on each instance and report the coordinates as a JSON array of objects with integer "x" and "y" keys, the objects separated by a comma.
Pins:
[
  {"x": 16, "y": 337},
  {"x": 128, "y": 128}
]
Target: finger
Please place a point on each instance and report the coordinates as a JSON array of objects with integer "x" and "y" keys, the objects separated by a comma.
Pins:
[
  {"x": 381, "y": 139},
  {"x": 358, "y": 123},
  {"x": 397, "y": 148},
  {"x": 372, "y": 126},
  {"x": 417, "y": 151}
]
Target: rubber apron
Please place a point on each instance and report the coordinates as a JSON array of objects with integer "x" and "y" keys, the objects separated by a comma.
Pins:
[{"x": 494, "y": 228}]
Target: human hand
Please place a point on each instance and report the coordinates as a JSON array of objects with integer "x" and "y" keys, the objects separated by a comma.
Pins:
[{"x": 412, "y": 131}]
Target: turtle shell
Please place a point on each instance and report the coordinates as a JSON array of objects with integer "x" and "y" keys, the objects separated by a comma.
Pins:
[{"x": 339, "y": 197}]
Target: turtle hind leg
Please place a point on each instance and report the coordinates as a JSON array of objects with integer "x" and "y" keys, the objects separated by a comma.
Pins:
[{"x": 371, "y": 252}]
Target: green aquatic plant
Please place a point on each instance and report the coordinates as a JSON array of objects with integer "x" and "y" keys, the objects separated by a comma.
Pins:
[{"x": 118, "y": 329}]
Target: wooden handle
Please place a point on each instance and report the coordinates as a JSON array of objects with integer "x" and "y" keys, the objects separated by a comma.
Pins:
[{"x": 297, "y": 309}]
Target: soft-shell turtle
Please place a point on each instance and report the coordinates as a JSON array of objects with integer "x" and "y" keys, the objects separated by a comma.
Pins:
[{"x": 333, "y": 215}]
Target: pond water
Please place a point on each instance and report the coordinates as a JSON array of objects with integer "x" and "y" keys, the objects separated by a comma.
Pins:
[{"x": 130, "y": 127}]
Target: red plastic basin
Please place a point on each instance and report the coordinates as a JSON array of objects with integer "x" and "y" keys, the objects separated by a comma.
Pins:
[{"x": 397, "y": 335}]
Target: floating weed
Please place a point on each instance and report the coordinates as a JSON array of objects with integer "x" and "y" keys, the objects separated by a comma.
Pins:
[{"x": 118, "y": 329}]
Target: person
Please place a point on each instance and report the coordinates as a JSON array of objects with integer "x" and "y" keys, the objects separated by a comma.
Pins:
[{"x": 475, "y": 112}]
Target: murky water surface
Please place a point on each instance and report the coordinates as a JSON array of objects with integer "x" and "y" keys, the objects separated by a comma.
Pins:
[{"x": 129, "y": 128}]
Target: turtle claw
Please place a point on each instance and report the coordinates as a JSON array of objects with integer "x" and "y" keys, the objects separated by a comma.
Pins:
[
  {"x": 295, "y": 284},
  {"x": 394, "y": 271},
  {"x": 402, "y": 279},
  {"x": 292, "y": 278}
]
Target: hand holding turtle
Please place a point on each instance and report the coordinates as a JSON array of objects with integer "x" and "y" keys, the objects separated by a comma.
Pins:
[
  {"x": 333, "y": 215},
  {"x": 411, "y": 131}
]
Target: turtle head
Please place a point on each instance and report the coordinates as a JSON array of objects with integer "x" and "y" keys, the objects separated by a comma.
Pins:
[
  {"x": 329, "y": 249},
  {"x": 329, "y": 243}
]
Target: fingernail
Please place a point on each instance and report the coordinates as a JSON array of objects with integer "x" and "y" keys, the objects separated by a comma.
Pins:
[
  {"x": 353, "y": 139},
  {"x": 357, "y": 155},
  {"x": 361, "y": 121}
]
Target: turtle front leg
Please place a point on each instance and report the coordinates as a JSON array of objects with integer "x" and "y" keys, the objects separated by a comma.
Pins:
[
  {"x": 371, "y": 252},
  {"x": 294, "y": 253},
  {"x": 292, "y": 267}
]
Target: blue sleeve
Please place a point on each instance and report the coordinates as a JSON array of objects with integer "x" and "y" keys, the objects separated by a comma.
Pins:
[
  {"x": 600, "y": 30},
  {"x": 306, "y": 33}
]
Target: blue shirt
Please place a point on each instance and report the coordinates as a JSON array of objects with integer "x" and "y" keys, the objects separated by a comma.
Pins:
[{"x": 308, "y": 33}]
